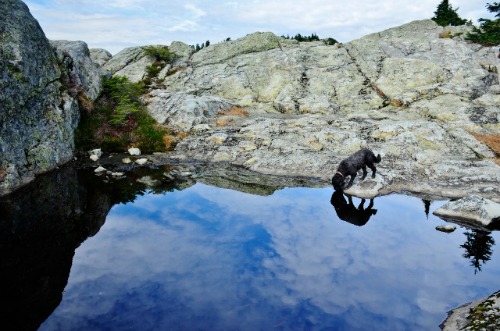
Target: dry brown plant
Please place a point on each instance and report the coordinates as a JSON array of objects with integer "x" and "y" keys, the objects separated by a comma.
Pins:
[
  {"x": 223, "y": 121},
  {"x": 445, "y": 34},
  {"x": 492, "y": 141},
  {"x": 235, "y": 111},
  {"x": 170, "y": 141}
]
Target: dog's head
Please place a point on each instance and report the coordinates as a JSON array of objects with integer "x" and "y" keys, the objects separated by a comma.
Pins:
[{"x": 338, "y": 182}]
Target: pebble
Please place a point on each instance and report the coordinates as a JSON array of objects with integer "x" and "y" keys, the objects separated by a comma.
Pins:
[
  {"x": 141, "y": 161},
  {"x": 100, "y": 169},
  {"x": 446, "y": 228}
]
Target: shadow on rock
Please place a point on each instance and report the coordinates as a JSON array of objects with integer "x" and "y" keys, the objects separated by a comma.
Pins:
[{"x": 347, "y": 211}]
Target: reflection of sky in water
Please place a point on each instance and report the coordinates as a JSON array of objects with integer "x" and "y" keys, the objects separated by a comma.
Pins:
[{"x": 214, "y": 259}]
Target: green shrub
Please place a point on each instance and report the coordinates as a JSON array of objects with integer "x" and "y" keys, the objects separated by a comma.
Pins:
[
  {"x": 488, "y": 33},
  {"x": 446, "y": 15},
  {"x": 120, "y": 120},
  {"x": 159, "y": 53}
]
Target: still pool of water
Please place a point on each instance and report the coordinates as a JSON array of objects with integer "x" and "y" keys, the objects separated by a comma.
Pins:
[{"x": 207, "y": 258}]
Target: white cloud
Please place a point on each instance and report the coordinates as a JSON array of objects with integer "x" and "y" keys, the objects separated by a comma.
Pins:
[{"x": 116, "y": 24}]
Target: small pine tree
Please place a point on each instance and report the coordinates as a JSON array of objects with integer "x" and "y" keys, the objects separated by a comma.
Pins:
[
  {"x": 446, "y": 15},
  {"x": 207, "y": 43},
  {"x": 488, "y": 33}
]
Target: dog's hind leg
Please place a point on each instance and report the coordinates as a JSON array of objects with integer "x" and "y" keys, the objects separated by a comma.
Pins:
[
  {"x": 372, "y": 167},
  {"x": 364, "y": 172}
]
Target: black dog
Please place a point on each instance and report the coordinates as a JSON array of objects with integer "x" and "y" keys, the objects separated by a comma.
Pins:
[{"x": 350, "y": 166}]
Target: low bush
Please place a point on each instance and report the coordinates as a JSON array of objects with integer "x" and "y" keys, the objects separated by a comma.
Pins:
[{"x": 119, "y": 121}]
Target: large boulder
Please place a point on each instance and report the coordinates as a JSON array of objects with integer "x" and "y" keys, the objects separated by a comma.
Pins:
[
  {"x": 132, "y": 62},
  {"x": 38, "y": 114},
  {"x": 84, "y": 76},
  {"x": 100, "y": 56}
]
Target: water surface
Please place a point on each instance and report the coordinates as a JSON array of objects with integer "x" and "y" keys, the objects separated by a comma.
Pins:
[
  {"x": 207, "y": 258},
  {"x": 226, "y": 249}
]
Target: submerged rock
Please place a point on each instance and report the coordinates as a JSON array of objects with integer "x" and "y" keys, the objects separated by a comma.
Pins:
[{"x": 472, "y": 209}]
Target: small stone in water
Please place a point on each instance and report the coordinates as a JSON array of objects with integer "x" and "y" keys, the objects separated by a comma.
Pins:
[
  {"x": 141, "y": 161},
  {"x": 99, "y": 169},
  {"x": 446, "y": 228},
  {"x": 126, "y": 160},
  {"x": 134, "y": 151}
]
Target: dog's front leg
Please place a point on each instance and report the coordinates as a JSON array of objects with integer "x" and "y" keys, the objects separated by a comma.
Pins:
[{"x": 350, "y": 181}]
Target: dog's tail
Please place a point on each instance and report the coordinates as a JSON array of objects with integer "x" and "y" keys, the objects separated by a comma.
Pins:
[{"x": 378, "y": 158}]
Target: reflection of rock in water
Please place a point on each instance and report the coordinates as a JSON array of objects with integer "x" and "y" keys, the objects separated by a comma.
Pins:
[
  {"x": 41, "y": 225},
  {"x": 346, "y": 211}
]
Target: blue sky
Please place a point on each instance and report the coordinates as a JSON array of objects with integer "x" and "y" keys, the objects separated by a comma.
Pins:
[{"x": 116, "y": 24}]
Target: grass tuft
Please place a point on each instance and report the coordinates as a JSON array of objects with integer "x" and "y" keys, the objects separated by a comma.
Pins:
[{"x": 120, "y": 120}]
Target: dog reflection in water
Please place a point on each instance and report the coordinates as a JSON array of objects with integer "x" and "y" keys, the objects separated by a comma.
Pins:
[{"x": 346, "y": 211}]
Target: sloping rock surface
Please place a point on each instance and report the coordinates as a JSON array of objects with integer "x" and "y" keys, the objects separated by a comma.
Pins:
[{"x": 415, "y": 98}]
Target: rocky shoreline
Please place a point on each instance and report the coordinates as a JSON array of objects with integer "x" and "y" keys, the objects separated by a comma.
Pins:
[{"x": 417, "y": 99}]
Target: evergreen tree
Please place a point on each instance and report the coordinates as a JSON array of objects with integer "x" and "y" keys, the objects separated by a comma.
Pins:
[
  {"x": 446, "y": 15},
  {"x": 488, "y": 33}
]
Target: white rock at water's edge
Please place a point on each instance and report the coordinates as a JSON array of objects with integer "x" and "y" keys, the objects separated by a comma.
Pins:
[
  {"x": 95, "y": 154},
  {"x": 368, "y": 187},
  {"x": 141, "y": 161},
  {"x": 126, "y": 160},
  {"x": 100, "y": 169},
  {"x": 472, "y": 208},
  {"x": 134, "y": 151}
]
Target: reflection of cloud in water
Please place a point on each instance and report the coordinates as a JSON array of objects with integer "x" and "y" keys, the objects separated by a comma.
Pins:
[{"x": 220, "y": 259}]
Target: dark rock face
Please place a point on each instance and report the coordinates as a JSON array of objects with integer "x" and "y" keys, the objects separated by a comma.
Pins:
[
  {"x": 37, "y": 121},
  {"x": 39, "y": 86}
]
